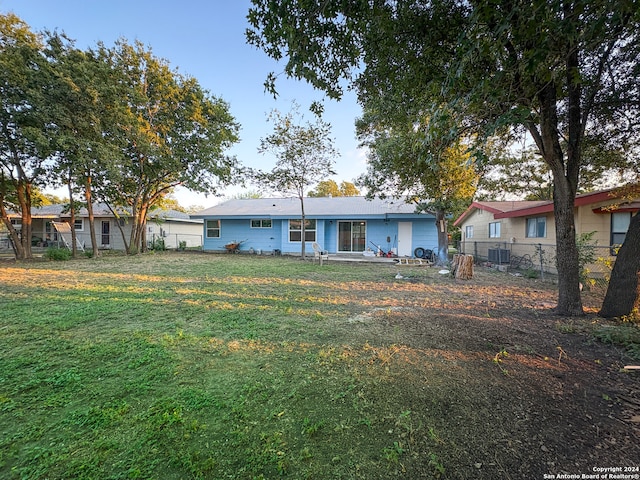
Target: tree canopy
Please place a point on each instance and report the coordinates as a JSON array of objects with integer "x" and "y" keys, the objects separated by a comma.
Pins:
[
  {"x": 25, "y": 144},
  {"x": 437, "y": 177},
  {"x": 330, "y": 188},
  {"x": 555, "y": 71},
  {"x": 304, "y": 153},
  {"x": 113, "y": 123},
  {"x": 169, "y": 132}
]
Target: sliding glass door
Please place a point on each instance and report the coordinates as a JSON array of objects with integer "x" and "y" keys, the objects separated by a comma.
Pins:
[{"x": 352, "y": 236}]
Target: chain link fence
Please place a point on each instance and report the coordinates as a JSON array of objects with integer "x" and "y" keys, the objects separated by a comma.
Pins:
[
  {"x": 538, "y": 260},
  {"x": 111, "y": 241}
]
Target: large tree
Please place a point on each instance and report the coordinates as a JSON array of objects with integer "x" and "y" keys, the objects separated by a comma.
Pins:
[
  {"x": 83, "y": 97},
  {"x": 406, "y": 162},
  {"x": 304, "y": 153},
  {"x": 24, "y": 114},
  {"x": 550, "y": 69},
  {"x": 169, "y": 131}
]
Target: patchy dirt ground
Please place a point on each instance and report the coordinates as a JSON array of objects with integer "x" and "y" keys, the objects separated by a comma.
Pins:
[
  {"x": 495, "y": 385},
  {"x": 511, "y": 390}
]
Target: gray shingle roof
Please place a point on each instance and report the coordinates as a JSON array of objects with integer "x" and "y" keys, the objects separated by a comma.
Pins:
[{"x": 313, "y": 206}]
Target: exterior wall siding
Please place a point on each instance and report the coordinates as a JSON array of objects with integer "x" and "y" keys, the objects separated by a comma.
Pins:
[
  {"x": 84, "y": 236},
  {"x": 263, "y": 239},
  {"x": 277, "y": 237},
  {"x": 173, "y": 233}
]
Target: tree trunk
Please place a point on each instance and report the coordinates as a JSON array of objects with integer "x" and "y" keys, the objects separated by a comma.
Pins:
[
  {"x": 13, "y": 233},
  {"x": 565, "y": 180},
  {"x": 302, "y": 229},
  {"x": 23, "y": 192},
  {"x": 72, "y": 212},
  {"x": 88, "y": 196},
  {"x": 134, "y": 238},
  {"x": 443, "y": 238},
  {"x": 623, "y": 293},
  {"x": 569, "y": 299},
  {"x": 142, "y": 219}
]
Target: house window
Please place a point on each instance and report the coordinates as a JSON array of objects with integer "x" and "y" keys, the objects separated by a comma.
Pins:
[
  {"x": 494, "y": 230},
  {"x": 295, "y": 230},
  {"x": 537, "y": 227},
  {"x": 213, "y": 228},
  {"x": 17, "y": 223},
  {"x": 619, "y": 225},
  {"x": 260, "y": 223},
  {"x": 78, "y": 225},
  {"x": 468, "y": 231}
]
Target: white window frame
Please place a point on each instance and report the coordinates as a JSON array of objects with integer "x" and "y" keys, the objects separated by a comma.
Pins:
[
  {"x": 309, "y": 231},
  {"x": 211, "y": 230},
  {"x": 495, "y": 229},
  {"x": 538, "y": 221},
  {"x": 261, "y": 223},
  {"x": 468, "y": 231},
  {"x": 616, "y": 230},
  {"x": 78, "y": 226}
]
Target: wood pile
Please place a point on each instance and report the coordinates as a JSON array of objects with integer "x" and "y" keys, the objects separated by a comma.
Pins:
[{"x": 462, "y": 266}]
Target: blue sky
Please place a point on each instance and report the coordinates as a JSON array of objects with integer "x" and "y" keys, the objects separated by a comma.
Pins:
[{"x": 203, "y": 39}]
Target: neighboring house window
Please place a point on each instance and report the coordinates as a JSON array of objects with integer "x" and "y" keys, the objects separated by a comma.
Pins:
[
  {"x": 537, "y": 227},
  {"x": 619, "y": 225},
  {"x": 17, "y": 223},
  {"x": 295, "y": 230},
  {"x": 213, "y": 228},
  {"x": 260, "y": 223},
  {"x": 468, "y": 231},
  {"x": 78, "y": 225},
  {"x": 494, "y": 230},
  {"x": 50, "y": 232}
]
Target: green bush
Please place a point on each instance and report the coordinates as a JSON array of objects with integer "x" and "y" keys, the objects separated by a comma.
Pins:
[
  {"x": 58, "y": 254},
  {"x": 157, "y": 244},
  {"x": 531, "y": 273}
]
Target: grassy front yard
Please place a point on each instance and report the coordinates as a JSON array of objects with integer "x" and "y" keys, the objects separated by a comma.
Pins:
[{"x": 226, "y": 366}]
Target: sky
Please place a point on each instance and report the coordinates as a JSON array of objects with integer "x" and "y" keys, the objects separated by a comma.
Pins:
[{"x": 203, "y": 39}]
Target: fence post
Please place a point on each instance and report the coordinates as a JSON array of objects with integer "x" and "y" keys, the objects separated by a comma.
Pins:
[{"x": 541, "y": 262}]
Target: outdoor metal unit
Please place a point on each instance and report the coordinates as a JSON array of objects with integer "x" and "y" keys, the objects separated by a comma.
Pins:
[{"x": 499, "y": 255}]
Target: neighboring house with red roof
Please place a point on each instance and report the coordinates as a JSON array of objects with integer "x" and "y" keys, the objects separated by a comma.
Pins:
[{"x": 520, "y": 226}]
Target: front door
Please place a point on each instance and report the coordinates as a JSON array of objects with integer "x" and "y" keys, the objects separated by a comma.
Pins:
[
  {"x": 106, "y": 234},
  {"x": 352, "y": 236},
  {"x": 404, "y": 239}
]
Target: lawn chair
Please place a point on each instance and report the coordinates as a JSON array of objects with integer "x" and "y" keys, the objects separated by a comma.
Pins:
[{"x": 318, "y": 253}]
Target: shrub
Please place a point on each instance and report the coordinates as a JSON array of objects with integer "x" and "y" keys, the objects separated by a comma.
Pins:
[
  {"x": 531, "y": 273},
  {"x": 57, "y": 254},
  {"x": 157, "y": 244}
]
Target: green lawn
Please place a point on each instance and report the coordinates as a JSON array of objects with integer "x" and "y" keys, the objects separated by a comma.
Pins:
[
  {"x": 186, "y": 366},
  {"x": 193, "y": 366}
]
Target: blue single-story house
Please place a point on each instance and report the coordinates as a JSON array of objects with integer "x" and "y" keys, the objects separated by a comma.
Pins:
[{"x": 340, "y": 225}]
